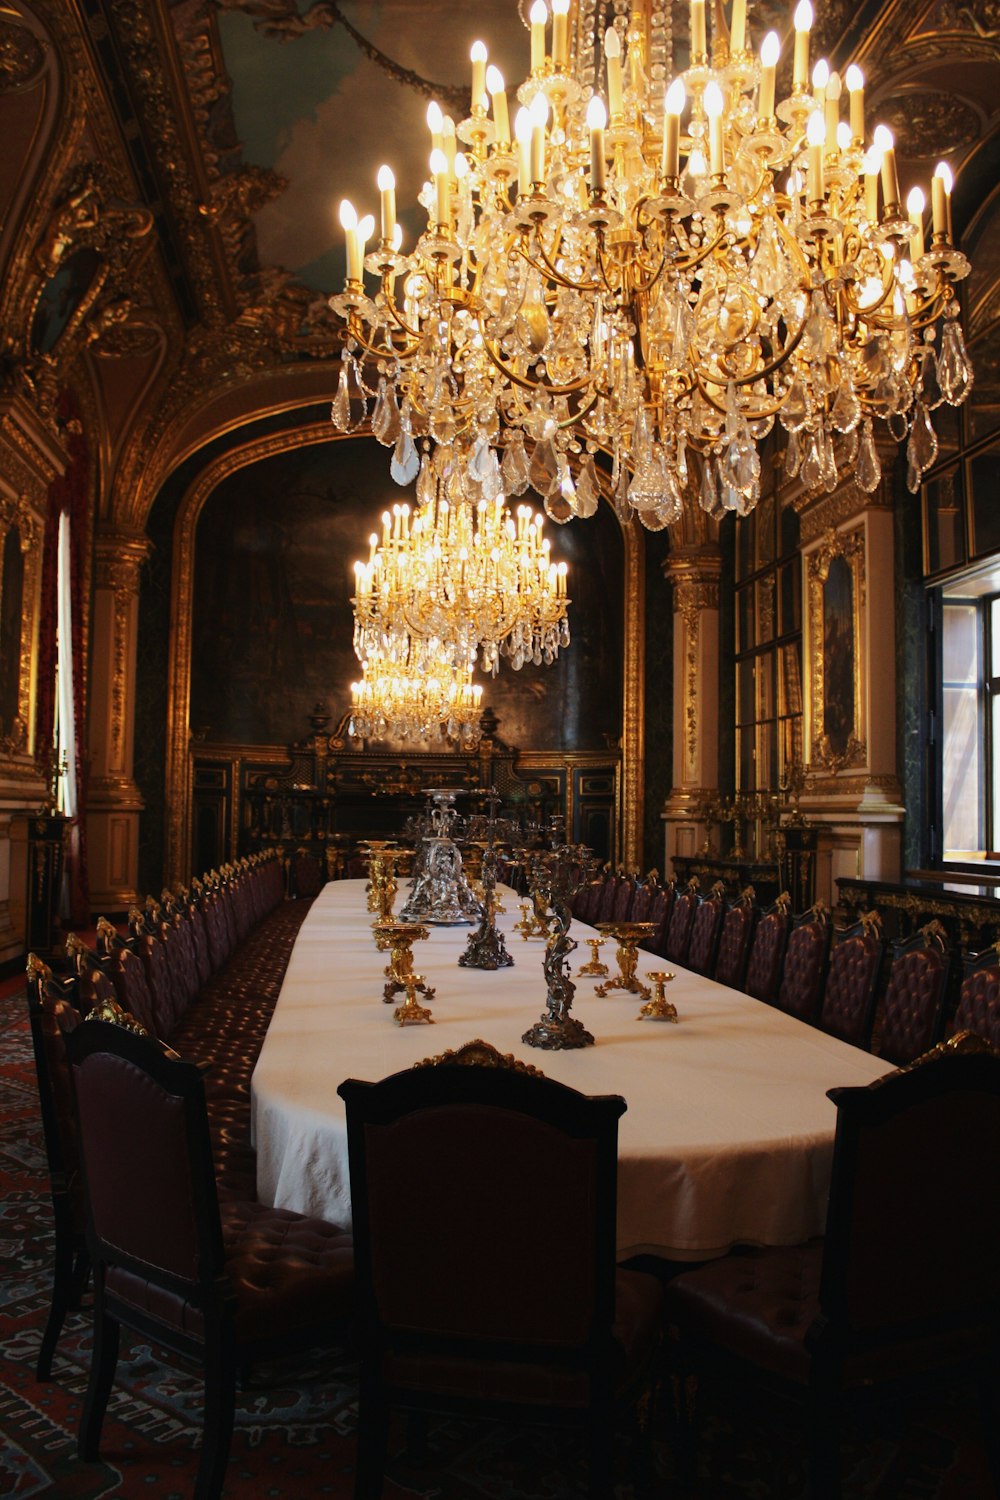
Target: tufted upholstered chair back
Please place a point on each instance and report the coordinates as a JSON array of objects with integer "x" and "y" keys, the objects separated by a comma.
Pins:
[
  {"x": 767, "y": 951},
  {"x": 734, "y": 940},
  {"x": 681, "y": 921},
  {"x": 705, "y": 929},
  {"x": 910, "y": 1016},
  {"x": 848, "y": 1007},
  {"x": 804, "y": 968},
  {"x": 979, "y": 998}
]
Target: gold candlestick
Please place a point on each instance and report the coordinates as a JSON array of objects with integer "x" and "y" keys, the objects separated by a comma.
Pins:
[
  {"x": 659, "y": 1008},
  {"x": 594, "y": 968},
  {"x": 410, "y": 1013},
  {"x": 628, "y": 936},
  {"x": 397, "y": 939}
]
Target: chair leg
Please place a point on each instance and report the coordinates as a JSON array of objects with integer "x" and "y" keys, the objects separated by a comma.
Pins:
[
  {"x": 373, "y": 1435},
  {"x": 824, "y": 1444},
  {"x": 217, "y": 1427},
  {"x": 103, "y": 1363},
  {"x": 63, "y": 1282}
]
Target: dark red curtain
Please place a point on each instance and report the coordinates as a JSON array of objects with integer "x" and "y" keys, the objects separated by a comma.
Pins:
[{"x": 67, "y": 493}]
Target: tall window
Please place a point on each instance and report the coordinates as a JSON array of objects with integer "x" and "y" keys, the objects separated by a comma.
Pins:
[{"x": 970, "y": 728}]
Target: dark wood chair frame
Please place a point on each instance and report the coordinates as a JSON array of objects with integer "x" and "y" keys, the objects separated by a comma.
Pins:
[{"x": 517, "y": 1089}]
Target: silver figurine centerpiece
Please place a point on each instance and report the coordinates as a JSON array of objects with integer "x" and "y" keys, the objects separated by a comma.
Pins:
[
  {"x": 486, "y": 948},
  {"x": 554, "y": 876},
  {"x": 440, "y": 894}
]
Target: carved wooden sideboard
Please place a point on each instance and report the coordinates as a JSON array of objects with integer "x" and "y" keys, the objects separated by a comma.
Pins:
[
  {"x": 969, "y": 912},
  {"x": 328, "y": 793}
]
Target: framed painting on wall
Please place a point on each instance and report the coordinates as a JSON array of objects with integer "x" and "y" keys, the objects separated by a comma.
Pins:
[{"x": 836, "y": 612}]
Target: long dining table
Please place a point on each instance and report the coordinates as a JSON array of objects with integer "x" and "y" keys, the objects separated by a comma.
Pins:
[{"x": 728, "y": 1134}]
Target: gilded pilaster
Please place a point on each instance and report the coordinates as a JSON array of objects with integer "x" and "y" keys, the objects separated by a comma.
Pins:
[
  {"x": 694, "y": 573},
  {"x": 114, "y": 802}
]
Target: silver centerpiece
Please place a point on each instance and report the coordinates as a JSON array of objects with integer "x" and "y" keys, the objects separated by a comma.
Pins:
[
  {"x": 486, "y": 948},
  {"x": 440, "y": 894}
]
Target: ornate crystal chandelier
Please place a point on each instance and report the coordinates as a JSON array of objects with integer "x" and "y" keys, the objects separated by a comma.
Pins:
[
  {"x": 434, "y": 704},
  {"x": 459, "y": 579},
  {"x": 656, "y": 273}
]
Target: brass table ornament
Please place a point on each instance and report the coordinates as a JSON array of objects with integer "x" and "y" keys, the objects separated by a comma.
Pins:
[
  {"x": 530, "y": 925},
  {"x": 397, "y": 939},
  {"x": 374, "y": 849},
  {"x": 593, "y": 968},
  {"x": 659, "y": 1008},
  {"x": 628, "y": 936},
  {"x": 555, "y": 875},
  {"x": 411, "y": 1013},
  {"x": 382, "y": 884},
  {"x": 486, "y": 948}
]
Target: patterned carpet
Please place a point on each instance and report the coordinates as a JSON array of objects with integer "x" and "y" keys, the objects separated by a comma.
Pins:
[{"x": 294, "y": 1435}]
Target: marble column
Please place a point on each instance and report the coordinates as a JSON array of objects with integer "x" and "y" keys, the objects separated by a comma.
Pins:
[
  {"x": 694, "y": 574},
  {"x": 114, "y": 801}
]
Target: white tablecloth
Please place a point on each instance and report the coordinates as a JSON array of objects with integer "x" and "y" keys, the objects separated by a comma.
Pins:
[{"x": 728, "y": 1135}]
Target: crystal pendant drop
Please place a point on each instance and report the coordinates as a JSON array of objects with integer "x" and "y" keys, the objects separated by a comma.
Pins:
[
  {"x": 868, "y": 469},
  {"x": 543, "y": 471},
  {"x": 385, "y": 417},
  {"x": 828, "y": 462},
  {"x": 812, "y": 464},
  {"x": 921, "y": 450},
  {"x": 405, "y": 464},
  {"x": 426, "y": 483},
  {"x": 708, "y": 494},
  {"x": 514, "y": 469},
  {"x": 954, "y": 368},
  {"x": 587, "y": 491},
  {"x": 340, "y": 408},
  {"x": 793, "y": 456}
]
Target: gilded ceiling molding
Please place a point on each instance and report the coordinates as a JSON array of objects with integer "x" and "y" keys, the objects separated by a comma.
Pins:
[{"x": 22, "y": 55}]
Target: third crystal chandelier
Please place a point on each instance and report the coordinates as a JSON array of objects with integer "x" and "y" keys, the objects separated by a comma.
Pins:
[{"x": 657, "y": 272}]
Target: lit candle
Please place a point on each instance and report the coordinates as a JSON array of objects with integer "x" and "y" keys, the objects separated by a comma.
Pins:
[
  {"x": 673, "y": 104},
  {"x": 738, "y": 27},
  {"x": 699, "y": 39},
  {"x": 803, "y": 22},
  {"x": 941, "y": 185},
  {"x": 820, "y": 79},
  {"x": 713, "y": 109},
  {"x": 539, "y": 113},
  {"x": 435, "y": 121},
  {"x": 449, "y": 143},
  {"x": 349, "y": 224},
  {"x": 366, "y": 229},
  {"x": 915, "y": 213},
  {"x": 498, "y": 96},
  {"x": 872, "y": 163},
  {"x": 833, "y": 92},
  {"x": 387, "y": 199},
  {"x": 522, "y": 132},
  {"x": 856, "y": 88},
  {"x": 816, "y": 137},
  {"x": 442, "y": 188},
  {"x": 597, "y": 118},
  {"x": 890, "y": 182},
  {"x": 613, "y": 54},
  {"x": 538, "y": 17},
  {"x": 770, "y": 51},
  {"x": 560, "y": 33},
  {"x": 477, "y": 56}
]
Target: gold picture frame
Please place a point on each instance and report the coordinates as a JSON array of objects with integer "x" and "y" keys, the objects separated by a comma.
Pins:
[{"x": 836, "y": 591}]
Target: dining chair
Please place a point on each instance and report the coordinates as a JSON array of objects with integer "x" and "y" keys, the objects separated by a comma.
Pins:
[
  {"x": 222, "y": 1286},
  {"x": 483, "y": 1197},
  {"x": 767, "y": 950},
  {"x": 706, "y": 927},
  {"x": 609, "y": 894},
  {"x": 624, "y": 894},
  {"x": 52, "y": 1015},
  {"x": 733, "y": 952},
  {"x": 847, "y": 1009},
  {"x": 681, "y": 921},
  {"x": 906, "y": 1280},
  {"x": 803, "y": 968},
  {"x": 643, "y": 897},
  {"x": 909, "y": 1018},
  {"x": 979, "y": 997},
  {"x": 660, "y": 909}
]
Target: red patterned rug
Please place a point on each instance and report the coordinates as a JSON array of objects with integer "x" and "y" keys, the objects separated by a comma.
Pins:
[{"x": 295, "y": 1425}]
